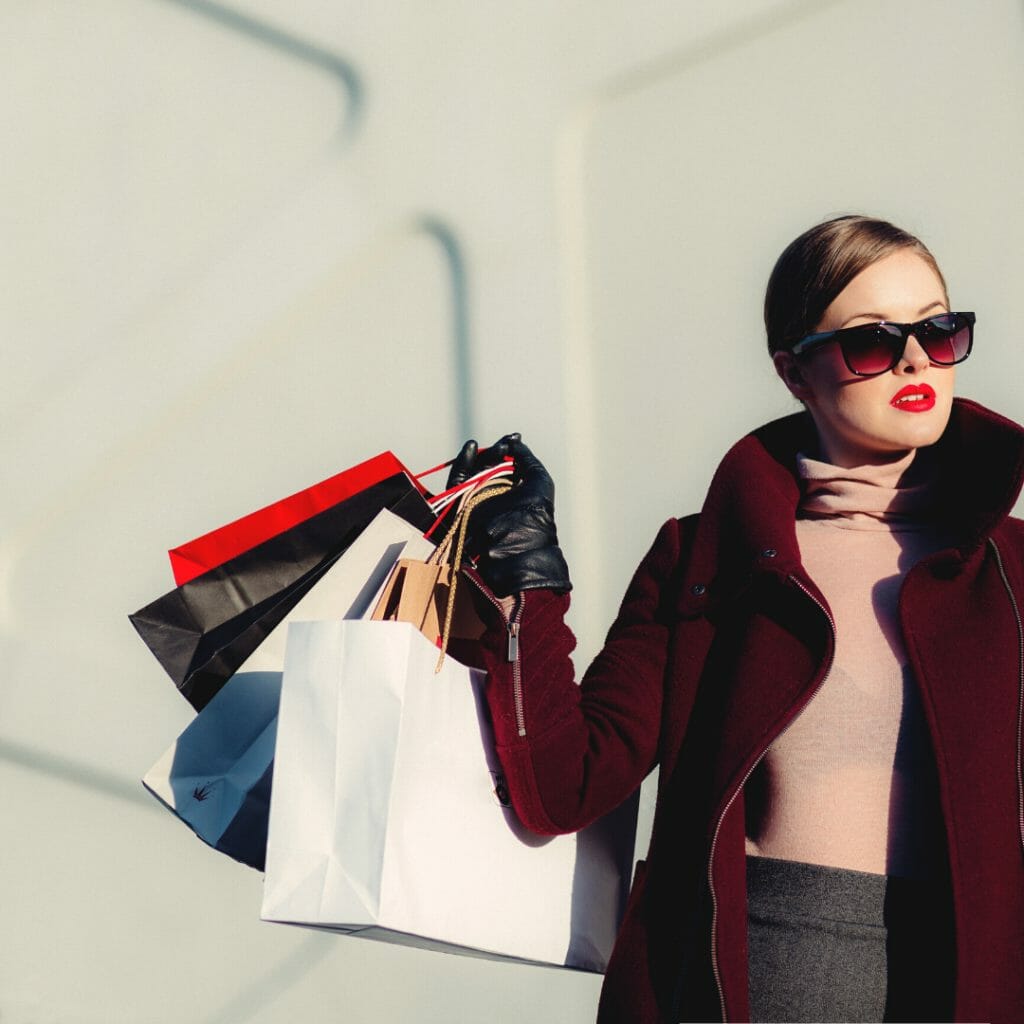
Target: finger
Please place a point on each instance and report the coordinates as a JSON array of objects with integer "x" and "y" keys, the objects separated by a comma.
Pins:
[
  {"x": 530, "y": 470},
  {"x": 533, "y": 488},
  {"x": 496, "y": 452},
  {"x": 462, "y": 464},
  {"x": 472, "y": 459}
]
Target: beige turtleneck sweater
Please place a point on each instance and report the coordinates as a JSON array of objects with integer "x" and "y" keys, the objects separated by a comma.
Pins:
[{"x": 851, "y": 782}]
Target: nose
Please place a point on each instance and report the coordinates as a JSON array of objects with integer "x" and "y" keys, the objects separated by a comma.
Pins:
[{"x": 914, "y": 359}]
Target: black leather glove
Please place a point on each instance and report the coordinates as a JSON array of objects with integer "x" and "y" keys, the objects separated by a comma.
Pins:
[
  {"x": 471, "y": 460},
  {"x": 513, "y": 535}
]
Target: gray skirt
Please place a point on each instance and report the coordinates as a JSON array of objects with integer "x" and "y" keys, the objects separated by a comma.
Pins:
[{"x": 827, "y": 944}]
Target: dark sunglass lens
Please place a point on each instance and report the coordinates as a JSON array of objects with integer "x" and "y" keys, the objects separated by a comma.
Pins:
[
  {"x": 871, "y": 350},
  {"x": 945, "y": 339}
]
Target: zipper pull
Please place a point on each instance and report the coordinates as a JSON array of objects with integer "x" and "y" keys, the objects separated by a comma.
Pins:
[{"x": 513, "y": 641}]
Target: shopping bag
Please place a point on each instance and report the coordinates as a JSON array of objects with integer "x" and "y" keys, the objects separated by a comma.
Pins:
[
  {"x": 188, "y": 627},
  {"x": 226, "y": 542},
  {"x": 389, "y": 815},
  {"x": 350, "y": 588},
  {"x": 203, "y": 631},
  {"x": 217, "y": 776},
  {"x": 221, "y": 545},
  {"x": 424, "y": 592},
  {"x": 418, "y": 592}
]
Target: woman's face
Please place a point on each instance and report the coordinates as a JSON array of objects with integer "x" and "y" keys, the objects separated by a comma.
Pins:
[{"x": 859, "y": 420}]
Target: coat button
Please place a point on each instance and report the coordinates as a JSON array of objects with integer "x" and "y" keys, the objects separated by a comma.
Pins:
[
  {"x": 769, "y": 553},
  {"x": 697, "y": 589}
]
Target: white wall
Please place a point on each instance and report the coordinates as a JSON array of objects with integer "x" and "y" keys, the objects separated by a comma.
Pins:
[{"x": 246, "y": 245}]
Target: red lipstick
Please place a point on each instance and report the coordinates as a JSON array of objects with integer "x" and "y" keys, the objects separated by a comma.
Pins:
[{"x": 914, "y": 398}]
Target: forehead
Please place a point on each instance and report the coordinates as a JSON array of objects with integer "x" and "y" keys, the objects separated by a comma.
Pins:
[{"x": 901, "y": 286}]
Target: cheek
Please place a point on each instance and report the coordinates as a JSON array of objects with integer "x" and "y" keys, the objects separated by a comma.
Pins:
[
  {"x": 829, "y": 367},
  {"x": 944, "y": 391},
  {"x": 862, "y": 404},
  {"x": 827, "y": 378},
  {"x": 864, "y": 398}
]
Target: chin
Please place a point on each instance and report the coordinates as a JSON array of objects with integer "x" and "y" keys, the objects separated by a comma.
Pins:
[
  {"x": 887, "y": 441},
  {"x": 919, "y": 435},
  {"x": 862, "y": 435}
]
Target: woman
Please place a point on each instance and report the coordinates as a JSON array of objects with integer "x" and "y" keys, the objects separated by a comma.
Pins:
[{"x": 827, "y": 663}]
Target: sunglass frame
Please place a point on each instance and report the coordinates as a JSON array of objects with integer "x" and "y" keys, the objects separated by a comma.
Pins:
[{"x": 890, "y": 331}]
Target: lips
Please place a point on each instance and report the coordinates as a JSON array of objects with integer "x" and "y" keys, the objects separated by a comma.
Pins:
[{"x": 914, "y": 398}]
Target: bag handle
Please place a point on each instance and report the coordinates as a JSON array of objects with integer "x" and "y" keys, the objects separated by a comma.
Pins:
[
  {"x": 460, "y": 527},
  {"x": 441, "y": 501},
  {"x": 440, "y": 553}
]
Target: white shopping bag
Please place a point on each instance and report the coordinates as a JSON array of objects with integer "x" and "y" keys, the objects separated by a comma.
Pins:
[
  {"x": 389, "y": 816},
  {"x": 216, "y": 776}
]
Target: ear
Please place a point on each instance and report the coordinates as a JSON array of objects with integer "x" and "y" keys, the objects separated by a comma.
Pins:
[{"x": 792, "y": 375}]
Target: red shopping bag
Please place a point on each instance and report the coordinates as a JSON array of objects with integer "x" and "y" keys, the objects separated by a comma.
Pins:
[{"x": 221, "y": 545}]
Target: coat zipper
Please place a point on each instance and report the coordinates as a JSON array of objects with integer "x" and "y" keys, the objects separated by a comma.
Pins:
[
  {"x": 512, "y": 627},
  {"x": 739, "y": 789},
  {"x": 517, "y": 675},
  {"x": 1020, "y": 687}
]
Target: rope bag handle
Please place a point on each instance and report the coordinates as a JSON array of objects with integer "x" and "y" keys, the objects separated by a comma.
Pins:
[{"x": 459, "y": 529}]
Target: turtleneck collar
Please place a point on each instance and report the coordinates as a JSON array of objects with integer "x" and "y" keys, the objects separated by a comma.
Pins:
[
  {"x": 895, "y": 496},
  {"x": 748, "y": 518}
]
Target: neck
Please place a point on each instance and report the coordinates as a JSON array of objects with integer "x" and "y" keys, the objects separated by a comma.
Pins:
[{"x": 845, "y": 457}]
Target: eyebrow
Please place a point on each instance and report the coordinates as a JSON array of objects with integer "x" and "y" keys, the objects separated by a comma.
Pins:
[{"x": 878, "y": 316}]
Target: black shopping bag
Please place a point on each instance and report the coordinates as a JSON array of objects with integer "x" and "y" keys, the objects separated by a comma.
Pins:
[{"x": 203, "y": 631}]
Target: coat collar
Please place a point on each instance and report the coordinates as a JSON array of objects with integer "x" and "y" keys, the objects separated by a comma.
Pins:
[{"x": 748, "y": 521}]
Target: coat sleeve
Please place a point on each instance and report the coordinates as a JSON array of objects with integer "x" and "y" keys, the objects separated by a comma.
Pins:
[{"x": 570, "y": 752}]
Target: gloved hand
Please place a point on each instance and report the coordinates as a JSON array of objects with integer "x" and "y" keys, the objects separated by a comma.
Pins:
[
  {"x": 471, "y": 460},
  {"x": 513, "y": 535}
]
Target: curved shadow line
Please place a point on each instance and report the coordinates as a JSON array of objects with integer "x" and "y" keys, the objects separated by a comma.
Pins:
[
  {"x": 461, "y": 348},
  {"x": 716, "y": 43},
  {"x": 76, "y": 773},
  {"x": 293, "y": 46}
]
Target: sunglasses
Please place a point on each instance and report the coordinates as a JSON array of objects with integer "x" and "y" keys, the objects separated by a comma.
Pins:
[{"x": 871, "y": 349}]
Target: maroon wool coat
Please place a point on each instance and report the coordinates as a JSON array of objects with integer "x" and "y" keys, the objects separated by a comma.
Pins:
[{"x": 721, "y": 639}]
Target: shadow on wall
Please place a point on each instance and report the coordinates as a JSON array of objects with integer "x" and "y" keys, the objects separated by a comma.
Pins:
[
  {"x": 460, "y": 335},
  {"x": 334, "y": 64},
  {"x": 292, "y": 46}
]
